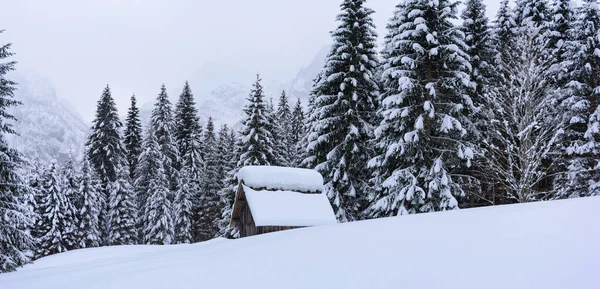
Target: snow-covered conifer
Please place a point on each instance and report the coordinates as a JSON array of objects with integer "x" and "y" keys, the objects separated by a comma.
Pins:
[
  {"x": 297, "y": 133},
  {"x": 106, "y": 152},
  {"x": 425, "y": 112},
  {"x": 183, "y": 209},
  {"x": 580, "y": 142},
  {"x": 187, "y": 123},
  {"x": 257, "y": 147},
  {"x": 209, "y": 199},
  {"x": 344, "y": 109},
  {"x": 122, "y": 211},
  {"x": 70, "y": 186},
  {"x": 89, "y": 228},
  {"x": 163, "y": 127},
  {"x": 17, "y": 218},
  {"x": 56, "y": 220},
  {"x": 133, "y": 137}
]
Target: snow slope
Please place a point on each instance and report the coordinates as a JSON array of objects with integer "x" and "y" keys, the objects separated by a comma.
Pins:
[{"x": 541, "y": 245}]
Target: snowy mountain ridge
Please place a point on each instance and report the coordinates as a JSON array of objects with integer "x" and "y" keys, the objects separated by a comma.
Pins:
[
  {"x": 48, "y": 126},
  {"x": 224, "y": 102}
]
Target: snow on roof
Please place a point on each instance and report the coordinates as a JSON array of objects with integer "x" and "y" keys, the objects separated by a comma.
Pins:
[
  {"x": 281, "y": 178},
  {"x": 285, "y": 208}
]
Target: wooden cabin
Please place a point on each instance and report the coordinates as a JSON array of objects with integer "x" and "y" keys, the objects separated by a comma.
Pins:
[{"x": 270, "y": 199}]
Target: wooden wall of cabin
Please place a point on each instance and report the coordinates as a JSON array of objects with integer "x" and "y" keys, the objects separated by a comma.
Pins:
[
  {"x": 245, "y": 223},
  {"x": 270, "y": 229}
]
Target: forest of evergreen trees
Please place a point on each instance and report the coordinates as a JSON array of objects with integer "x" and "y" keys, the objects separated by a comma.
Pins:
[{"x": 454, "y": 111}]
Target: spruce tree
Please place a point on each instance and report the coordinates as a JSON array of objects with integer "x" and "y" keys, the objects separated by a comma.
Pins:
[
  {"x": 344, "y": 109},
  {"x": 534, "y": 13},
  {"x": 580, "y": 142},
  {"x": 478, "y": 38},
  {"x": 163, "y": 127},
  {"x": 186, "y": 120},
  {"x": 504, "y": 33},
  {"x": 229, "y": 155},
  {"x": 425, "y": 112},
  {"x": 69, "y": 188},
  {"x": 105, "y": 147},
  {"x": 106, "y": 152},
  {"x": 122, "y": 211},
  {"x": 193, "y": 166},
  {"x": 257, "y": 145},
  {"x": 480, "y": 48},
  {"x": 15, "y": 239},
  {"x": 209, "y": 200},
  {"x": 89, "y": 211},
  {"x": 183, "y": 210},
  {"x": 158, "y": 221},
  {"x": 298, "y": 131},
  {"x": 563, "y": 18},
  {"x": 283, "y": 130},
  {"x": 133, "y": 137},
  {"x": 56, "y": 221},
  {"x": 151, "y": 185}
]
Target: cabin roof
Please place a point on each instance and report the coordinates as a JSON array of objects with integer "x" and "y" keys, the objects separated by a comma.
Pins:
[
  {"x": 281, "y": 178},
  {"x": 288, "y": 208}
]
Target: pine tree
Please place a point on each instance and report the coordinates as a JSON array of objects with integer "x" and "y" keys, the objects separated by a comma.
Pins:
[
  {"x": 580, "y": 143},
  {"x": 209, "y": 200},
  {"x": 69, "y": 187},
  {"x": 15, "y": 240},
  {"x": 89, "y": 211},
  {"x": 56, "y": 221},
  {"x": 425, "y": 112},
  {"x": 257, "y": 137},
  {"x": 122, "y": 211},
  {"x": 163, "y": 127},
  {"x": 344, "y": 109},
  {"x": 133, "y": 137},
  {"x": 106, "y": 152},
  {"x": 297, "y": 133}
]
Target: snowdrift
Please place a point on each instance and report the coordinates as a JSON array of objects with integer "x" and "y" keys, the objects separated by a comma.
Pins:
[{"x": 542, "y": 245}]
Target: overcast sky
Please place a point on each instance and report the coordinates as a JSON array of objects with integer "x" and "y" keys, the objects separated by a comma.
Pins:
[{"x": 135, "y": 45}]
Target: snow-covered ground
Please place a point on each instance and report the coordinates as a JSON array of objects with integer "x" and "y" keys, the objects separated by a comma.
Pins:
[{"x": 541, "y": 245}]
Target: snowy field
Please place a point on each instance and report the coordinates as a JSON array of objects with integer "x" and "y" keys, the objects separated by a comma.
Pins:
[{"x": 541, "y": 245}]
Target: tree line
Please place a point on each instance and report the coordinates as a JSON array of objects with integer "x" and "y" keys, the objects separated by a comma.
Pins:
[{"x": 443, "y": 116}]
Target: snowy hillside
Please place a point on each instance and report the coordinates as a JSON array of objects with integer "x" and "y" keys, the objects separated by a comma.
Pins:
[
  {"x": 539, "y": 245},
  {"x": 47, "y": 126}
]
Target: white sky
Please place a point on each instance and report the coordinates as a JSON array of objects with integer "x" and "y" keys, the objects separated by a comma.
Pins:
[{"x": 135, "y": 45}]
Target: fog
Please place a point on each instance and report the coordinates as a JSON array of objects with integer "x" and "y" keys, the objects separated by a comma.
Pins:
[{"x": 136, "y": 45}]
